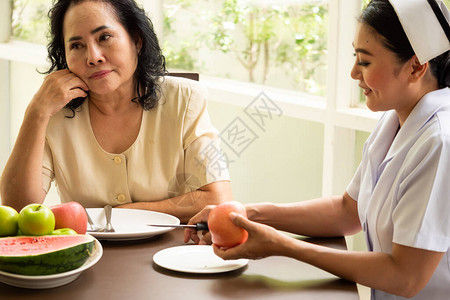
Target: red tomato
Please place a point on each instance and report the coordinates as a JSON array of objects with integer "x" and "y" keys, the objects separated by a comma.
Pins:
[{"x": 223, "y": 232}]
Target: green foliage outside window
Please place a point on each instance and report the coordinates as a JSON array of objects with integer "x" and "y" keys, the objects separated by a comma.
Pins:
[
  {"x": 263, "y": 42},
  {"x": 29, "y": 20},
  {"x": 255, "y": 39}
]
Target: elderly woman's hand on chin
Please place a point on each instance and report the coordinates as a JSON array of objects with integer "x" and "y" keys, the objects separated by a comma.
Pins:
[{"x": 58, "y": 89}]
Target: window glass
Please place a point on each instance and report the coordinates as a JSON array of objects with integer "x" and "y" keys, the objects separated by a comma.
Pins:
[
  {"x": 280, "y": 43},
  {"x": 30, "y": 21},
  {"x": 277, "y": 43}
]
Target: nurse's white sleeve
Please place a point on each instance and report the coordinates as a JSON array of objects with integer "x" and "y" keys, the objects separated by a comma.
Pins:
[
  {"x": 354, "y": 185},
  {"x": 422, "y": 215}
]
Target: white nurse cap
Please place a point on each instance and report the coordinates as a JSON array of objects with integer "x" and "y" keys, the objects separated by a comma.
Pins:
[{"x": 426, "y": 24}]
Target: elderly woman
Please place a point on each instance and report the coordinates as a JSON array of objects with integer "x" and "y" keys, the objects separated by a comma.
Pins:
[{"x": 108, "y": 126}]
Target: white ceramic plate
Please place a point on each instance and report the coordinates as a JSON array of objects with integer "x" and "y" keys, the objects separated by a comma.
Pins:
[
  {"x": 130, "y": 224},
  {"x": 54, "y": 280},
  {"x": 195, "y": 259}
]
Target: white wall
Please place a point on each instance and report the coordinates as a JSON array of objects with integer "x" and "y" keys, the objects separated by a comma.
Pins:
[
  {"x": 4, "y": 113},
  {"x": 24, "y": 83},
  {"x": 283, "y": 165}
]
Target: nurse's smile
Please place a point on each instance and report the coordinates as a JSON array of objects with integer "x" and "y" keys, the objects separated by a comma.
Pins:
[{"x": 366, "y": 91}]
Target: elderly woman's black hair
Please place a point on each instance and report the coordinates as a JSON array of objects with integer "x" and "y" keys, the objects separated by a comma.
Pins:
[
  {"x": 381, "y": 16},
  {"x": 151, "y": 62}
]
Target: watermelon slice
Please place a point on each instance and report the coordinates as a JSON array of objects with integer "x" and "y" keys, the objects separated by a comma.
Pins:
[{"x": 44, "y": 255}]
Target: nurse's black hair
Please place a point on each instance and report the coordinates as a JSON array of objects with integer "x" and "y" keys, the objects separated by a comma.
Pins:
[
  {"x": 151, "y": 63},
  {"x": 381, "y": 16}
]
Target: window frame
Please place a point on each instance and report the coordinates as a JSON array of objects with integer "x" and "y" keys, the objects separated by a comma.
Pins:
[{"x": 337, "y": 112}]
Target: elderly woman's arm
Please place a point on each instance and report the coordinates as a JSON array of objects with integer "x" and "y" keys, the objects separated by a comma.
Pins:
[
  {"x": 21, "y": 181},
  {"x": 187, "y": 205}
]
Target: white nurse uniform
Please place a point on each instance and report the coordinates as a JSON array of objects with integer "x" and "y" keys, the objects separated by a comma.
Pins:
[{"x": 403, "y": 187}]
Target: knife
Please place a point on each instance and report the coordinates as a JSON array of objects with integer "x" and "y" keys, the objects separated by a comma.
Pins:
[{"x": 197, "y": 227}]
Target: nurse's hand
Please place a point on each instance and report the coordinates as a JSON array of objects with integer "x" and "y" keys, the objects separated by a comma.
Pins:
[
  {"x": 262, "y": 241},
  {"x": 192, "y": 234},
  {"x": 58, "y": 89}
]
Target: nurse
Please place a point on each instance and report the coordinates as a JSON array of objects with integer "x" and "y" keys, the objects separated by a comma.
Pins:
[{"x": 400, "y": 194}]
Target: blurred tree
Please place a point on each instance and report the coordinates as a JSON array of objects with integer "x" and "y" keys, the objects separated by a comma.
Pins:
[
  {"x": 260, "y": 37},
  {"x": 257, "y": 23},
  {"x": 304, "y": 54},
  {"x": 264, "y": 27},
  {"x": 29, "y": 20},
  {"x": 178, "y": 56}
]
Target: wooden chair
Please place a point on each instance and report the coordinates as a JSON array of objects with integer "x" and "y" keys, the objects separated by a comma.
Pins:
[{"x": 192, "y": 76}]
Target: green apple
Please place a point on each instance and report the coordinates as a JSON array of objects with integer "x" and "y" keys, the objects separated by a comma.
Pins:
[
  {"x": 64, "y": 231},
  {"x": 8, "y": 221},
  {"x": 36, "y": 219}
]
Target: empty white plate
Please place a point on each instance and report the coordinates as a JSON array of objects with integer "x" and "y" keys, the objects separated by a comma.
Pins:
[
  {"x": 130, "y": 224},
  {"x": 195, "y": 259}
]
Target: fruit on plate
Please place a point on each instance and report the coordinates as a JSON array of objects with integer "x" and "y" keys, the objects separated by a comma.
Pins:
[
  {"x": 44, "y": 255},
  {"x": 223, "y": 232},
  {"x": 70, "y": 215},
  {"x": 36, "y": 219},
  {"x": 64, "y": 231},
  {"x": 8, "y": 221}
]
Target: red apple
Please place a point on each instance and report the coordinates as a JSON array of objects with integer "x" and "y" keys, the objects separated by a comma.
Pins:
[
  {"x": 70, "y": 215},
  {"x": 223, "y": 232}
]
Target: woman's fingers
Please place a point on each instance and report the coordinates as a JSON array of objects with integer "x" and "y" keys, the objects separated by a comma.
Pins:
[
  {"x": 70, "y": 85},
  {"x": 58, "y": 89},
  {"x": 241, "y": 221},
  {"x": 206, "y": 239},
  {"x": 258, "y": 234},
  {"x": 229, "y": 253},
  {"x": 201, "y": 217},
  {"x": 191, "y": 234},
  {"x": 76, "y": 93},
  {"x": 75, "y": 82}
]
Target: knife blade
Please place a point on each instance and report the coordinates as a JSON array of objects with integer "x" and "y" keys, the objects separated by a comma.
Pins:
[{"x": 197, "y": 227}]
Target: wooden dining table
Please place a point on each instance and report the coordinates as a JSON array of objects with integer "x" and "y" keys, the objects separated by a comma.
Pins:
[{"x": 127, "y": 271}]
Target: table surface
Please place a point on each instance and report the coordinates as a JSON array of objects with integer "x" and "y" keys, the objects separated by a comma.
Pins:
[{"x": 126, "y": 271}]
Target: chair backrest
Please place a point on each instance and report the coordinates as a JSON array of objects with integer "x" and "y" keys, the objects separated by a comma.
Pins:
[{"x": 192, "y": 76}]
